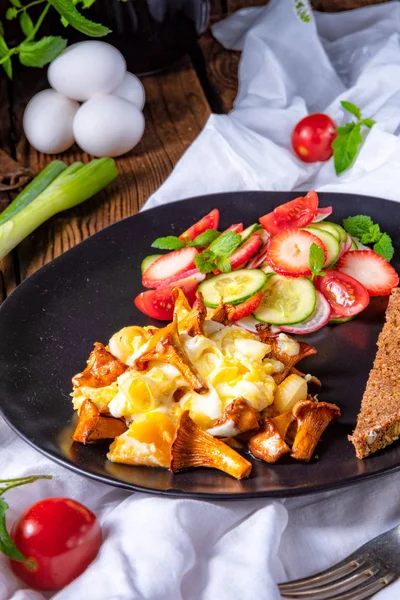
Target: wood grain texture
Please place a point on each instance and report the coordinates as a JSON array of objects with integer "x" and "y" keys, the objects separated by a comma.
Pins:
[
  {"x": 7, "y": 273},
  {"x": 175, "y": 112}
]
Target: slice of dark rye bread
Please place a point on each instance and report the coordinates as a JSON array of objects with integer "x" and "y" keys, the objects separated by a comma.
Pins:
[{"x": 378, "y": 422}]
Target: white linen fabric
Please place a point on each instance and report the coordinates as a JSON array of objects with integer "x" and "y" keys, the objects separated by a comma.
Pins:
[{"x": 161, "y": 548}]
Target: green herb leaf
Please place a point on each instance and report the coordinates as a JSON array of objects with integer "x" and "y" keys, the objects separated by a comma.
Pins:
[
  {"x": 345, "y": 147},
  {"x": 316, "y": 259},
  {"x": 11, "y": 13},
  {"x": 358, "y": 225},
  {"x": 87, "y": 3},
  {"x": 4, "y": 50},
  {"x": 205, "y": 261},
  {"x": 226, "y": 244},
  {"x": 170, "y": 242},
  {"x": 7, "y": 546},
  {"x": 38, "y": 54},
  {"x": 368, "y": 122},
  {"x": 67, "y": 10},
  {"x": 384, "y": 247},
  {"x": 224, "y": 264},
  {"x": 16, "y": 3},
  {"x": 1, "y": 29},
  {"x": 373, "y": 235},
  {"x": 26, "y": 23},
  {"x": 351, "y": 108},
  {"x": 205, "y": 239}
]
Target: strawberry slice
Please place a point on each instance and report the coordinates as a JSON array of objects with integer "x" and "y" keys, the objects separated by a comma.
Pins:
[
  {"x": 370, "y": 269},
  {"x": 210, "y": 221},
  {"x": 168, "y": 266},
  {"x": 245, "y": 308},
  {"x": 288, "y": 252},
  {"x": 245, "y": 251},
  {"x": 236, "y": 227}
]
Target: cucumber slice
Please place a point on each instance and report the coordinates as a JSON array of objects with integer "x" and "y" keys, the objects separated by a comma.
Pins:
[
  {"x": 331, "y": 228},
  {"x": 286, "y": 300},
  {"x": 353, "y": 244},
  {"x": 146, "y": 262},
  {"x": 234, "y": 287},
  {"x": 248, "y": 232},
  {"x": 331, "y": 244}
]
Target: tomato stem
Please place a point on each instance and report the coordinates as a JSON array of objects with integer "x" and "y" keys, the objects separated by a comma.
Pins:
[{"x": 8, "y": 484}]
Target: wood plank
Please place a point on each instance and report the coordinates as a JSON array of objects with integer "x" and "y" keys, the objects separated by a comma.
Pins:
[
  {"x": 175, "y": 112},
  {"x": 234, "y": 5},
  {"x": 7, "y": 273}
]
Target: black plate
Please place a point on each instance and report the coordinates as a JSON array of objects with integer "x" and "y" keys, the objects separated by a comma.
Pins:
[{"x": 48, "y": 326}]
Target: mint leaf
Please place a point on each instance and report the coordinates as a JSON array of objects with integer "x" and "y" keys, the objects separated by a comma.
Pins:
[
  {"x": 4, "y": 50},
  {"x": 384, "y": 247},
  {"x": 351, "y": 108},
  {"x": 345, "y": 147},
  {"x": 224, "y": 264},
  {"x": 368, "y": 122},
  {"x": 358, "y": 225},
  {"x": 26, "y": 23},
  {"x": 7, "y": 546},
  {"x": 70, "y": 13},
  {"x": 205, "y": 261},
  {"x": 316, "y": 259},
  {"x": 16, "y": 3},
  {"x": 205, "y": 239},
  {"x": 372, "y": 235},
  {"x": 11, "y": 13},
  {"x": 38, "y": 54},
  {"x": 170, "y": 242},
  {"x": 226, "y": 243}
]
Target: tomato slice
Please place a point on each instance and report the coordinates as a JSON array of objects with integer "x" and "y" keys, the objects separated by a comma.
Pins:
[
  {"x": 158, "y": 303},
  {"x": 291, "y": 215},
  {"x": 210, "y": 221},
  {"x": 346, "y": 295}
]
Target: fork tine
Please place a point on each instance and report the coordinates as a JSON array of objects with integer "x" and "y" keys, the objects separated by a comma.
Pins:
[
  {"x": 359, "y": 593},
  {"x": 329, "y": 576},
  {"x": 338, "y": 586}
]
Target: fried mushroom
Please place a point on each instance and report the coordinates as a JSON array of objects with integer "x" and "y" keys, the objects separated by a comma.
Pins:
[
  {"x": 93, "y": 427},
  {"x": 312, "y": 419},
  {"x": 103, "y": 368}
]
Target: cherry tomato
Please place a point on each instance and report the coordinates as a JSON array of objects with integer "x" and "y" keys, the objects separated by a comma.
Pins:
[
  {"x": 59, "y": 538},
  {"x": 313, "y": 136},
  {"x": 158, "y": 303},
  {"x": 346, "y": 295},
  {"x": 210, "y": 221},
  {"x": 291, "y": 215}
]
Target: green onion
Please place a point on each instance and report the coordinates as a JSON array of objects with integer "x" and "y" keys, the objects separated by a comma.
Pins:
[
  {"x": 74, "y": 185},
  {"x": 33, "y": 189}
]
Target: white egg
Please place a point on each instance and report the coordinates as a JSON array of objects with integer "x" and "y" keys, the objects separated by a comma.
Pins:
[
  {"x": 108, "y": 126},
  {"x": 48, "y": 120},
  {"x": 131, "y": 88},
  {"x": 86, "y": 69}
]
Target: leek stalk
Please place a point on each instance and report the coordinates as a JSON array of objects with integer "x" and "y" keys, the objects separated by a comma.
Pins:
[
  {"x": 73, "y": 186},
  {"x": 33, "y": 189}
]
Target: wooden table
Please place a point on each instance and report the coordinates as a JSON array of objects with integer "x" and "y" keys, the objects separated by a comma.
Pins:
[{"x": 178, "y": 103}]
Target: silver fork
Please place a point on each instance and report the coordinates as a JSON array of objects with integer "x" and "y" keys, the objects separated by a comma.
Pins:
[{"x": 361, "y": 575}]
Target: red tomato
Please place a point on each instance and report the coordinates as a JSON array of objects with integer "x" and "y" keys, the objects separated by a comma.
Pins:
[
  {"x": 210, "y": 221},
  {"x": 313, "y": 136},
  {"x": 59, "y": 538},
  {"x": 291, "y": 215},
  {"x": 346, "y": 295},
  {"x": 158, "y": 303}
]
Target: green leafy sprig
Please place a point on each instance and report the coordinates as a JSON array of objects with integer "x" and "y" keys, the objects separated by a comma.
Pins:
[
  {"x": 38, "y": 53},
  {"x": 172, "y": 242},
  {"x": 7, "y": 545},
  {"x": 316, "y": 259},
  {"x": 349, "y": 138},
  {"x": 368, "y": 232}
]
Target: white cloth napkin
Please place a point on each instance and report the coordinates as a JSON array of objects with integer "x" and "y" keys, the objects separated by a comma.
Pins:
[{"x": 166, "y": 549}]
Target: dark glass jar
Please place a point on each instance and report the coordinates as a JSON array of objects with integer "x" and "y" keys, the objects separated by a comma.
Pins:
[{"x": 151, "y": 34}]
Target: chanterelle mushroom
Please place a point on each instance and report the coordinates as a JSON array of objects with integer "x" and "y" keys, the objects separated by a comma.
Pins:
[
  {"x": 192, "y": 322},
  {"x": 193, "y": 447},
  {"x": 267, "y": 443},
  {"x": 165, "y": 346},
  {"x": 102, "y": 369},
  {"x": 239, "y": 417},
  {"x": 312, "y": 418}
]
